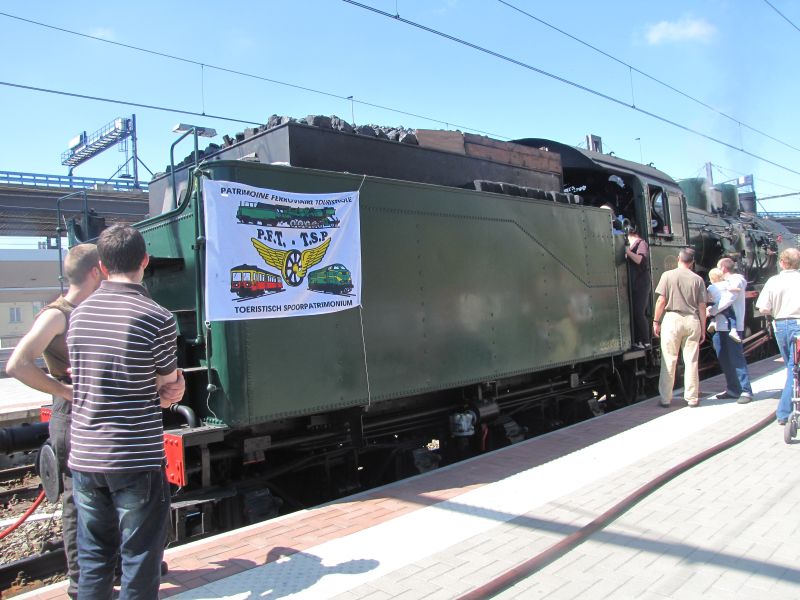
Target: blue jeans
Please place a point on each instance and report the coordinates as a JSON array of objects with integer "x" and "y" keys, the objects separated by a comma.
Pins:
[
  {"x": 733, "y": 364},
  {"x": 785, "y": 331},
  {"x": 121, "y": 513}
]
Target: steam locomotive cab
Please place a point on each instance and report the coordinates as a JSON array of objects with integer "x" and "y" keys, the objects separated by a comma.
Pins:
[{"x": 671, "y": 216}]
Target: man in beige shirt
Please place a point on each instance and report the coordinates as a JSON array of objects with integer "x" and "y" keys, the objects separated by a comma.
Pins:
[{"x": 680, "y": 321}]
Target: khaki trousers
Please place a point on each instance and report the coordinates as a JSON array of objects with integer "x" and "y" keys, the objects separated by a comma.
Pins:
[{"x": 679, "y": 333}]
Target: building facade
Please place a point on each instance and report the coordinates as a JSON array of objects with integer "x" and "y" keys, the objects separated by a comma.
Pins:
[{"x": 29, "y": 279}]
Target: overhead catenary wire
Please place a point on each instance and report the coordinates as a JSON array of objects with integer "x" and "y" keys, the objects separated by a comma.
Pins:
[
  {"x": 725, "y": 171},
  {"x": 647, "y": 75},
  {"x": 785, "y": 18},
  {"x": 568, "y": 82},
  {"x": 779, "y": 196},
  {"x": 780, "y": 185},
  {"x": 237, "y": 72},
  {"x": 351, "y": 98},
  {"x": 126, "y": 103},
  {"x": 760, "y": 200},
  {"x": 697, "y": 173}
]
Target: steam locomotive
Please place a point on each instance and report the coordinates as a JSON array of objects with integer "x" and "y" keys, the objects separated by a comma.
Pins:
[
  {"x": 495, "y": 306},
  {"x": 271, "y": 214}
]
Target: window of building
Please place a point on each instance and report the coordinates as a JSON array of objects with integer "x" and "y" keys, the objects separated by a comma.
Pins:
[
  {"x": 15, "y": 314},
  {"x": 38, "y": 305}
]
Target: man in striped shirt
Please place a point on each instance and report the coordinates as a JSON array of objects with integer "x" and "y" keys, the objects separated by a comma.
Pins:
[{"x": 122, "y": 348}]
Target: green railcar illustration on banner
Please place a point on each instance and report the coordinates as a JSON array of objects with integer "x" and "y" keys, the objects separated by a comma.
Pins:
[
  {"x": 273, "y": 215},
  {"x": 334, "y": 278}
]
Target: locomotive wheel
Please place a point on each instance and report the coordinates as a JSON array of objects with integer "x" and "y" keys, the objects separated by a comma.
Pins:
[
  {"x": 293, "y": 223},
  {"x": 290, "y": 267},
  {"x": 50, "y": 472},
  {"x": 307, "y": 224}
]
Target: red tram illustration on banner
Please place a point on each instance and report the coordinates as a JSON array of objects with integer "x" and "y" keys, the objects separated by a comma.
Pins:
[{"x": 248, "y": 281}]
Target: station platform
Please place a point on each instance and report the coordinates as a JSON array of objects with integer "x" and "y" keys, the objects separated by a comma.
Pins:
[
  {"x": 724, "y": 529},
  {"x": 19, "y": 403}
]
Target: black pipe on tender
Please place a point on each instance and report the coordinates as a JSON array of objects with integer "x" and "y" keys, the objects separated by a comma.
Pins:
[
  {"x": 187, "y": 413},
  {"x": 22, "y": 438}
]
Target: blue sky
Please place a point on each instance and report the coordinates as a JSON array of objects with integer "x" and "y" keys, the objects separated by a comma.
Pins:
[{"x": 739, "y": 56}]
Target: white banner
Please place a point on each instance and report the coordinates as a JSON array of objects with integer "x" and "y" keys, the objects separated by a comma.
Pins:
[{"x": 278, "y": 254}]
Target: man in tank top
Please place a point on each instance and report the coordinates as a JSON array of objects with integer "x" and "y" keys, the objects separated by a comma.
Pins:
[{"x": 47, "y": 338}]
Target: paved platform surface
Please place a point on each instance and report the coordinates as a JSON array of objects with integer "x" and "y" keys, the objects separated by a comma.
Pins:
[
  {"x": 725, "y": 529},
  {"x": 19, "y": 403}
]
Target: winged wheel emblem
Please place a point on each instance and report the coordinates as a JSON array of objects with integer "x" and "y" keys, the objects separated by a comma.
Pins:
[{"x": 292, "y": 264}]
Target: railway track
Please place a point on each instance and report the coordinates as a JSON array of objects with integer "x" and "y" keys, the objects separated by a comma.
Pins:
[
  {"x": 25, "y": 573},
  {"x": 21, "y": 493},
  {"x": 33, "y": 554},
  {"x": 14, "y": 473},
  {"x": 18, "y": 482}
]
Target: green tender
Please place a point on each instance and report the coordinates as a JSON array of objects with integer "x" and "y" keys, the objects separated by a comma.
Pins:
[{"x": 459, "y": 287}]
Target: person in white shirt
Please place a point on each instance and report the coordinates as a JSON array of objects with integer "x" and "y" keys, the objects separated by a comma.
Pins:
[
  {"x": 729, "y": 352},
  {"x": 780, "y": 299},
  {"x": 719, "y": 292}
]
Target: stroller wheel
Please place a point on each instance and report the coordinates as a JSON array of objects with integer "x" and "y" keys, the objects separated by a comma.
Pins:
[{"x": 790, "y": 429}]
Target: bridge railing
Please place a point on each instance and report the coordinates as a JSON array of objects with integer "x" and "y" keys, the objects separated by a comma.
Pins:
[
  {"x": 781, "y": 215},
  {"x": 65, "y": 181}
]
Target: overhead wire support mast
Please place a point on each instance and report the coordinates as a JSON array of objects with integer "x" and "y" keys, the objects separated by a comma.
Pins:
[
  {"x": 761, "y": 179},
  {"x": 569, "y": 82},
  {"x": 83, "y": 147}
]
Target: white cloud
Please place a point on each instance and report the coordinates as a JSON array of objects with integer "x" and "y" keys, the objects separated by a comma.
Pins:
[
  {"x": 105, "y": 33},
  {"x": 445, "y": 7},
  {"x": 683, "y": 30}
]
